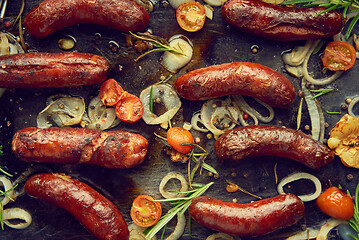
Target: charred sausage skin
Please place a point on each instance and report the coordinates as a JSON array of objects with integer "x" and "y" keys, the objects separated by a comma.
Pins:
[
  {"x": 280, "y": 22},
  {"x": 95, "y": 212},
  {"x": 51, "y": 16},
  {"x": 52, "y": 70},
  {"x": 113, "y": 149},
  {"x": 247, "y": 219},
  {"x": 254, "y": 141},
  {"x": 237, "y": 78}
]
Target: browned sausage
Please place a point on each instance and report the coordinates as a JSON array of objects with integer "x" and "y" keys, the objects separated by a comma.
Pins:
[
  {"x": 52, "y": 70},
  {"x": 280, "y": 22},
  {"x": 112, "y": 149},
  {"x": 253, "y": 141},
  {"x": 241, "y": 78},
  {"x": 247, "y": 219},
  {"x": 95, "y": 212},
  {"x": 50, "y": 16}
]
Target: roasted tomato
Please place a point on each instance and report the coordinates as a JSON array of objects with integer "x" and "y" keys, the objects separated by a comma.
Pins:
[
  {"x": 110, "y": 92},
  {"x": 191, "y": 16},
  {"x": 129, "y": 109},
  {"x": 336, "y": 203},
  {"x": 144, "y": 212},
  {"x": 339, "y": 55},
  {"x": 176, "y": 136}
]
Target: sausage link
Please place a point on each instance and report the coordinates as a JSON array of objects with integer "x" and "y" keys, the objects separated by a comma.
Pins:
[
  {"x": 112, "y": 149},
  {"x": 254, "y": 141},
  {"x": 52, "y": 70},
  {"x": 51, "y": 16},
  {"x": 95, "y": 212},
  {"x": 237, "y": 78},
  {"x": 247, "y": 219},
  {"x": 280, "y": 22}
]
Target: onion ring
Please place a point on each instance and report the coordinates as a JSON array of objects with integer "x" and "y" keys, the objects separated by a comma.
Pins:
[
  {"x": 179, "y": 229},
  {"x": 219, "y": 236},
  {"x": 100, "y": 116},
  {"x": 327, "y": 226},
  {"x": 196, "y": 118},
  {"x": 301, "y": 175},
  {"x": 260, "y": 117},
  {"x": 17, "y": 213},
  {"x": 168, "y": 97},
  {"x": 136, "y": 232},
  {"x": 167, "y": 178},
  {"x": 9, "y": 189},
  {"x": 309, "y": 233},
  {"x": 353, "y": 102}
]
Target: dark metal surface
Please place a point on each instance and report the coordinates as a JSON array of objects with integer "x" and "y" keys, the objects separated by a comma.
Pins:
[{"x": 216, "y": 43}]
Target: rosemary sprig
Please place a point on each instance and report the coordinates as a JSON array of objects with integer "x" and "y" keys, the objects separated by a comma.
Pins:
[
  {"x": 333, "y": 112},
  {"x": 354, "y": 221},
  {"x": 1, "y": 216},
  {"x": 321, "y": 92},
  {"x": 160, "y": 43},
  {"x": 151, "y": 99},
  {"x": 346, "y": 5},
  {"x": 181, "y": 205}
]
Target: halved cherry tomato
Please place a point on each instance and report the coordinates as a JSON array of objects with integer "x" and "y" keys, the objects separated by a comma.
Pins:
[
  {"x": 144, "y": 212},
  {"x": 336, "y": 203},
  {"x": 129, "y": 109},
  {"x": 110, "y": 92},
  {"x": 191, "y": 16},
  {"x": 339, "y": 55},
  {"x": 176, "y": 136}
]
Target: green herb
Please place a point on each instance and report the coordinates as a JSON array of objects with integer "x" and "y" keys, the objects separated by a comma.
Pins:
[
  {"x": 180, "y": 206},
  {"x": 333, "y": 112},
  {"x": 354, "y": 221},
  {"x": 160, "y": 43},
  {"x": 5, "y": 194},
  {"x": 321, "y": 92},
  {"x": 1, "y": 216},
  {"x": 299, "y": 116},
  {"x": 151, "y": 99},
  {"x": 346, "y": 5}
]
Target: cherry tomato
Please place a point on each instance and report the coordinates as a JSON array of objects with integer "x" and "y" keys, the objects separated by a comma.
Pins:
[
  {"x": 110, "y": 92},
  {"x": 177, "y": 136},
  {"x": 336, "y": 203},
  {"x": 191, "y": 16},
  {"x": 129, "y": 109},
  {"x": 144, "y": 212},
  {"x": 339, "y": 55}
]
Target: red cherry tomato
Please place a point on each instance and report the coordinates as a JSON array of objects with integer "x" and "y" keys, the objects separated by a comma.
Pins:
[
  {"x": 110, "y": 92},
  {"x": 176, "y": 136},
  {"x": 191, "y": 16},
  {"x": 339, "y": 55},
  {"x": 336, "y": 203},
  {"x": 129, "y": 109},
  {"x": 144, "y": 212}
]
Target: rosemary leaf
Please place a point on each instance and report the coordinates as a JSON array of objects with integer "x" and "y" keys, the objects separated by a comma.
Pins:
[{"x": 151, "y": 99}]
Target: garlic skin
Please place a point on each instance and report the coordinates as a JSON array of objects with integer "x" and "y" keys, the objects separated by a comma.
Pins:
[{"x": 173, "y": 61}]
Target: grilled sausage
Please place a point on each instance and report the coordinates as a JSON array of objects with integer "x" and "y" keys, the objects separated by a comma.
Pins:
[
  {"x": 280, "y": 22},
  {"x": 50, "y": 16},
  {"x": 112, "y": 149},
  {"x": 242, "y": 78},
  {"x": 247, "y": 219},
  {"x": 52, "y": 70},
  {"x": 95, "y": 212},
  {"x": 253, "y": 141}
]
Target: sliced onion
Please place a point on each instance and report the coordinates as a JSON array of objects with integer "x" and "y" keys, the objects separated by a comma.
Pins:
[
  {"x": 64, "y": 111},
  {"x": 219, "y": 236},
  {"x": 244, "y": 110},
  {"x": 173, "y": 61},
  {"x": 297, "y": 55},
  {"x": 136, "y": 232},
  {"x": 296, "y": 71},
  {"x": 302, "y": 175},
  {"x": 245, "y": 106},
  {"x": 179, "y": 229},
  {"x": 176, "y": 3},
  {"x": 168, "y": 97},
  {"x": 100, "y": 116},
  {"x": 304, "y": 235},
  {"x": 9, "y": 189},
  {"x": 195, "y": 120},
  {"x": 353, "y": 102},
  {"x": 327, "y": 227},
  {"x": 167, "y": 178},
  {"x": 215, "y": 3},
  {"x": 209, "y": 11},
  {"x": 19, "y": 214}
]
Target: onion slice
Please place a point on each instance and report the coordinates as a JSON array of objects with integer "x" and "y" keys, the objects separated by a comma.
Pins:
[
  {"x": 309, "y": 233},
  {"x": 219, "y": 236},
  {"x": 167, "y": 178},
  {"x": 100, "y": 116},
  {"x": 302, "y": 175},
  {"x": 9, "y": 189},
  {"x": 327, "y": 227},
  {"x": 353, "y": 102},
  {"x": 17, "y": 213},
  {"x": 168, "y": 97},
  {"x": 174, "y": 61},
  {"x": 245, "y": 106},
  {"x": 179, "y": 229},
  {"x": 195, "y": 120},
  {"x": 136, "y": 232}
]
